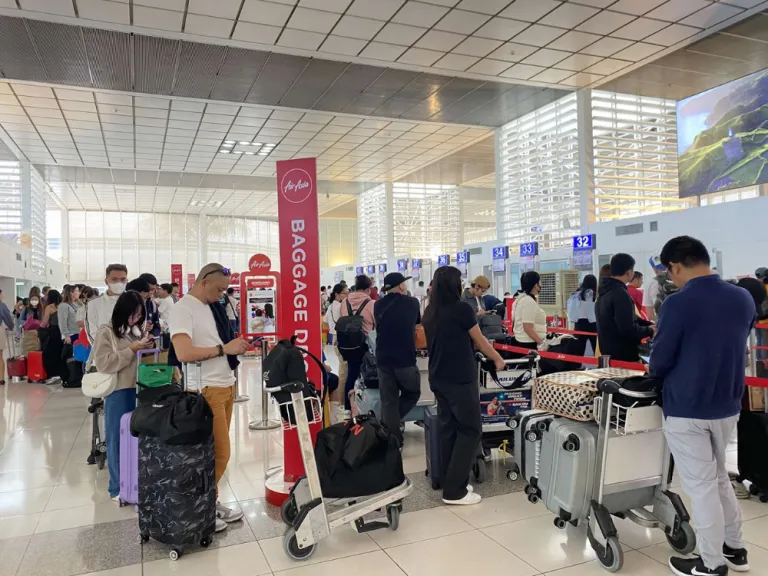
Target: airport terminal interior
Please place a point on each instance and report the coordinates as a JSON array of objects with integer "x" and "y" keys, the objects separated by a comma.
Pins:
[{"x": 495, "y": 136}]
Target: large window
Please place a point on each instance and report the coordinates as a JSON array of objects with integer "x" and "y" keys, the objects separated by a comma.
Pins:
[
  {"x": 232, "y": 241},
  {"x": 10, "y": 201},
  {"x": 539, "y": 195},
  {"x": 635, "y": 157},
  {"x": 372, "y": 225},
  {"x": 425, "y": 219},
  {"x": 53, "y": 234}
]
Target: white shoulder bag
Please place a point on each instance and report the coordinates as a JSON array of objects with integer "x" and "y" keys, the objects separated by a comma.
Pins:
[{"x": 98, "y": 384}]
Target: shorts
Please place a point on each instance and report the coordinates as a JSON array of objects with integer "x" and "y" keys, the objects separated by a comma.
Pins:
[{"x": 3, "y": 338}]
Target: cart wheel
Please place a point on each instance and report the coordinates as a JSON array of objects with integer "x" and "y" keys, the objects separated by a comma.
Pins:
[
  {"x": 175, "y": 554},
  {"x": 613, "y": 557},
  {"x": 291, "y": 547},
  {"x": 512, "y": 475},
  {"x": 480, "y": 470},
  {"x": 101, "y": 460},
  {"x": 754, "y": 490},
  {"x": 529, "y": 489},
  {"x": 289, "y": 511},
  {"x": 685, "y": 543},
  {"x": 393, "y": 516},
  {"x": 764, "y": 498},
  {"x": 559, "y": 523},
  {"x": 205, "y": 542},
  {"x": 512, "y": 423},
  {"x": 532, "y": 436},
  {"x": 533, "y": 498}
]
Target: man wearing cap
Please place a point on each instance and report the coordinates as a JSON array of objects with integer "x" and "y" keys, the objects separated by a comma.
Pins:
[
  {"x": 474, "y": 294},
  {"x": 396, "y": 316}
]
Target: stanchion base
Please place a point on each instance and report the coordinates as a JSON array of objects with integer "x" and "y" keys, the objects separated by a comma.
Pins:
[
  {"x": 264, "y": 425},
  {"x": 276, "y": 489},
  {"x": 239, "y": 399}
]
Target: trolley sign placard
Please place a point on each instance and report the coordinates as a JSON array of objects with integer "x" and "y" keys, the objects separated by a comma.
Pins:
[
  {"x": 259, "y": 302},
  {"x": 585, "y": 242},
  {"x": 501, "y": 252},
  {"x": 443, "y": 260},
  {"x": 462, "y": 257},
  {"x": 529, "y": 249}
]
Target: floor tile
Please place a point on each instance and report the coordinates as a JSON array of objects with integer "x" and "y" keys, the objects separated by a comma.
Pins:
[
  {"x": 752, "y": 508},
  {"x": 635, "y": 564},
  {"x": 756, "y": 531},
  {"x": 500, "y": 510},
  {"x": 225, "y": 492},
  {"x": 77, "y": 470},
  {"x": 263, "y": 518},
  {"x": 247, "y": 490},
  {"x": 342, "y": 542},
  {"x": 659, "y": 552},
  {"x": 11, "y": 554},
  {"x": 543, "y": 546},
  {"x": 496, "y": 483},
  {"x": 84, "y": 516},
  {"x": 635, "y": 536},
  {"x": 239, "y": 560},
  {"x": 24, "y": 502},
  {"x": 81, "y": 550},
  {"x": 133, "y": 570},
  {"x": 372, "y": 564},
  {"x": 16, "y": 526},
  {"x": 466, "y": 553},
  {"x": 422, "y": 525},
  {"x": 28, "y": 479},
  {"x": 80, "y": 494},
  {"x": 236, "y": 533}
]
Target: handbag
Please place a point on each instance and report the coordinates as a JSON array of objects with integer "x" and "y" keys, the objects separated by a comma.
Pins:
[
  {"x": 31, "y": 324},
  {"x": 173, "y": 416},
  {"x": 420, "y": 337},
  {"x": 98, "y": 384}
]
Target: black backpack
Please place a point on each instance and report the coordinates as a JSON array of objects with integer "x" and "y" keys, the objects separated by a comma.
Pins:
[{"x": 350, "y": 336}]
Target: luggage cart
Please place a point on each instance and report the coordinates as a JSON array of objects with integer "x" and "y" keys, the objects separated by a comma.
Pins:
[
  {"x": 512, "y": 393},
  {"x": 633, "y": 470},
  {"x": 306, "y": 511}
]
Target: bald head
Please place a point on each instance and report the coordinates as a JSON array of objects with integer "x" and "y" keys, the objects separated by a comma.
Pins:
[{"x": 211, "y": 283}]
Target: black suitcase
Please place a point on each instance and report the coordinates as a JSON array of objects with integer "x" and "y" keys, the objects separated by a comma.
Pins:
[
  {"x": 74, "y": 374},
  {"x": 177, "y": 493},
  {"x": 752, "y": 433}
]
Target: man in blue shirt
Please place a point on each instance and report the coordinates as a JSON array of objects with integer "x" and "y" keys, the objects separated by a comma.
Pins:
[
  {"x": 396, "y": 316},
  {"x": 700, "y": 353}
]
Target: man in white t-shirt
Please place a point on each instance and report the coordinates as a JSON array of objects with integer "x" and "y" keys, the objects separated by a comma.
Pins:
[
  {"x": 98, "y": 312},
  {"x": 651, "y": 293},
  {"x": 195, "y": 339}
]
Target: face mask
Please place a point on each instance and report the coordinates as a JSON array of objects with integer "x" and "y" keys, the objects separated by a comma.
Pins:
[
  {"x": 117, "y": 288},
  {"x": 34, "y": 303}
]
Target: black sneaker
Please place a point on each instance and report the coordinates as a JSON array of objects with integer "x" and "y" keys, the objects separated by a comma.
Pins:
[
  {"x": 695, "y": 567},
  {"x": 736, "y": 558}
]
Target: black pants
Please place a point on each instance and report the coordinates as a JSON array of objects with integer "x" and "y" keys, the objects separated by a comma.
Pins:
[
  {"x": 584, "y": 325},
  {"x": 399, "y": 389},
  {"x": 458, "y": 411}
]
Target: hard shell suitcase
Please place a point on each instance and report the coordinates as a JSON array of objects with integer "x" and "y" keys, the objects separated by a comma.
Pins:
[
  {"x": 17, "y": 367},
  {"x": 752, "y": 434},
  {"x": 567, "y": 468},
  {"x": 177, "y": 493},
  {"x": 129, "y": 463},
  {"x": 432, "y": 445},
  {"x": 529, "y": 427},
  {"x": 74, "y": 374},
  {"x": 35, "y": 369}
]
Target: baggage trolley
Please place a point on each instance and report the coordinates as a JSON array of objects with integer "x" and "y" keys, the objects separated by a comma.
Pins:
[
  {"x": 633, "y": 470},
  {"x": 98, "y": 453},
  {"x": 509, "y": 392},
  {"x": 306, "y": 511}
]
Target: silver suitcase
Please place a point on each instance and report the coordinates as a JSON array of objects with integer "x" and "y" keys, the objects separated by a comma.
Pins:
[
  {"x": 529, "y": 427},
  {"x": 567, "y": 468}
]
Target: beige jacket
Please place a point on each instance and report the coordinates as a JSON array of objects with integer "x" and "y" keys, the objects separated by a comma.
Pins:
[{"x": 113, "y": 355}]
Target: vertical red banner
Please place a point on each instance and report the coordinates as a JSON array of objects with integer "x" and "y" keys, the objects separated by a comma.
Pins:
[
  {"x": 190, "y": 281},
  {"x": 297, "y": 218},
  {"x": 177, "y": 276}
]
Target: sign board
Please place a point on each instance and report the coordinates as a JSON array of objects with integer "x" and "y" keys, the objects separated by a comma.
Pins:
[
  {"x": 190, "y": 281},
  {"x": 529, "y": 249},
  {"x": 259, "y": 263},
  {"x": 358, "y": 270},
  {"x": 416, "y": 264},
  {"x": 501, "y": 252},
  {"x": 402, "y": 265},
  {"x": 382, "y": 268},
  {"x": 370, "y": 269},
  {"x": 584, "y": 242},
  {"x": 462, "y": 257},
  {"x": 499, "y": 265},
  {"x": 177, "y": 277},
  {"x": 443, "y": 260}
]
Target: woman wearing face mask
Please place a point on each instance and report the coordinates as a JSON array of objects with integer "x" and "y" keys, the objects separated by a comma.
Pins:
[
  {"x": 114, "y": 352},
  {"x": 68, "y": 313},
  {"x": 86, "y": 295},
  {"x": 50, "y": 339},
  {"x": 30, "y": 321}
]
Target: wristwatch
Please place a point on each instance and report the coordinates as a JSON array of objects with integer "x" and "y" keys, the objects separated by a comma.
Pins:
[{"x": 221, "y": 350}]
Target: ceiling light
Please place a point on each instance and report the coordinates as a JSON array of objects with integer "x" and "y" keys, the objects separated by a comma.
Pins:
[
  {"x": 257, "y": 144},
  {"x": 223, "y": 151},
  {"x": 245, "y": 143},
  {"x": 250, "y": 153},
  {"x": 237, "y": 151},
  {"x": 270, "y": 145},
  {"x": 229, "y": 142},
  {"x": 263, "y": 153}
]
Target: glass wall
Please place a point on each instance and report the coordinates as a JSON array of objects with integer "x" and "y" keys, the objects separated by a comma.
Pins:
[
  {"x": 54, "y": 234},
  {"x": 338, "y": 242},
  {"x": 426, "y": 219},
  {"x": 232, "y": 241},
  {"x": 10, "y": 201},
  {"x": 143, "y": 242},
  {"x": 372, "y": 220}
]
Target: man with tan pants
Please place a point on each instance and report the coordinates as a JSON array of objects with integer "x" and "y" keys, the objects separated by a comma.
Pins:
[{"x": 196, "y": 338}]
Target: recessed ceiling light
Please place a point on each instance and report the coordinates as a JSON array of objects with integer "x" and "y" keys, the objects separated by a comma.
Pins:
[
  {"x": 270, "y": 145},
  {"x": 255, "y": 143},
  {"x": 223, "y": 151},
  {"x": 250, "y": 153},
  {"x": 263, "y": 153},
  {"x": 237, "y": 151},
  {"x": 229, "y": 142},
  {"x": 245, "y": 143}
]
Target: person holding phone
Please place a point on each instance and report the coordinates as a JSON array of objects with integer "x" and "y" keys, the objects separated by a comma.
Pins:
[{"x": 114, "y": 352}]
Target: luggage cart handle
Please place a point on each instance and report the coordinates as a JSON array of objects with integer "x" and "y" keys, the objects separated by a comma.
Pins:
[
  {"x": 292, "y": 386},
  {"x": 612, "y": 387}
]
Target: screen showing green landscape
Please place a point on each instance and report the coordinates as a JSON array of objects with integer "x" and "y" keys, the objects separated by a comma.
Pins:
[{"x": 722, "y": 136}]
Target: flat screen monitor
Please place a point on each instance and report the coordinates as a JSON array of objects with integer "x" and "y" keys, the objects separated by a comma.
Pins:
[{"x": 722, "y": 137}]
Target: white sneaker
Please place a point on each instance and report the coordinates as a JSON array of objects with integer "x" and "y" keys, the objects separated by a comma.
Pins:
[
  {"x": 469, "y": 499},
  {"x": 116, "y": 499},
  {"x": 220, "y": 525},
  {"x": 227, "y": 514},
  {"x": 470, "y": 488}
]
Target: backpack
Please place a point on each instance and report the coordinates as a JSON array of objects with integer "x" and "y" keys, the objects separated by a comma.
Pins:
[
  {"x": 666, "y": 287},
  {"x": 350, "y": 336}
]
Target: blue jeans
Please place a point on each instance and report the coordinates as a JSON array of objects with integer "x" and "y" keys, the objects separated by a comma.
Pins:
[
  {"x": 353, "y": 373},
  {"x": 115, "y": 405}
]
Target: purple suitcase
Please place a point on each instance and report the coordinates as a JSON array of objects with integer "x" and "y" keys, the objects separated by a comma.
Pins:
[{"x": 129, "y": 463}]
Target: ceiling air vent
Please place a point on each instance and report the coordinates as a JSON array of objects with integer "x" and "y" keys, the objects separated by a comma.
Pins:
[
  {"x": 475, "y": 251},
  {"x": 654, "y": 226},
  {"x": 628, "y": 229},
  {"x": 18, "y": 257}
]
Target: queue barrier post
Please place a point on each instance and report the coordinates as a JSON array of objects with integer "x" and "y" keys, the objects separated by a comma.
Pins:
[
  {"x": 604, "y": 361},
  {"x": 265, "y": 423}
]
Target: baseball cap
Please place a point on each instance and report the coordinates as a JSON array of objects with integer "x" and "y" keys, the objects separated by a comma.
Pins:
[
  {"x": 392, "y": 280},
  {"x": 482, "y": 281},
  {"x": 761, "y": 272},
  {"x": 655, "y": 262}
]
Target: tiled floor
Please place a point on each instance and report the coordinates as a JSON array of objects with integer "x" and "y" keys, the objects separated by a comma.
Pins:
[{"x": 56, "y": 518}]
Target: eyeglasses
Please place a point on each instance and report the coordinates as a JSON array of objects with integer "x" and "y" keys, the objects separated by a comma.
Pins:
[{"x": 223, "y": 271}]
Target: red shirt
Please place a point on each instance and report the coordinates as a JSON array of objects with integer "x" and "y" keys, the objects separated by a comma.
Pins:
[{"x": 637, "y": 296}]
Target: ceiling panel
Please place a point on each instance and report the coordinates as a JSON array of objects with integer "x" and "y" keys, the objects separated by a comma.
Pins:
[
  {"x": 727, "y": 55},
  {"x": 449, "y": 39}
]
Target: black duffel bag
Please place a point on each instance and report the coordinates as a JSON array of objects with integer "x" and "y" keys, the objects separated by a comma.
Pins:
[
  {"x": 358, "y": 458},
  {"x": 172, "y": 415},
  {"x": 369, "y": 371}
]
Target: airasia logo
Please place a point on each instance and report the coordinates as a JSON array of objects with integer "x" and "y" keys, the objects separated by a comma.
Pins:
[
  {"x": 260, "y": 262},
  {"x": 296, "y": 186}
]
